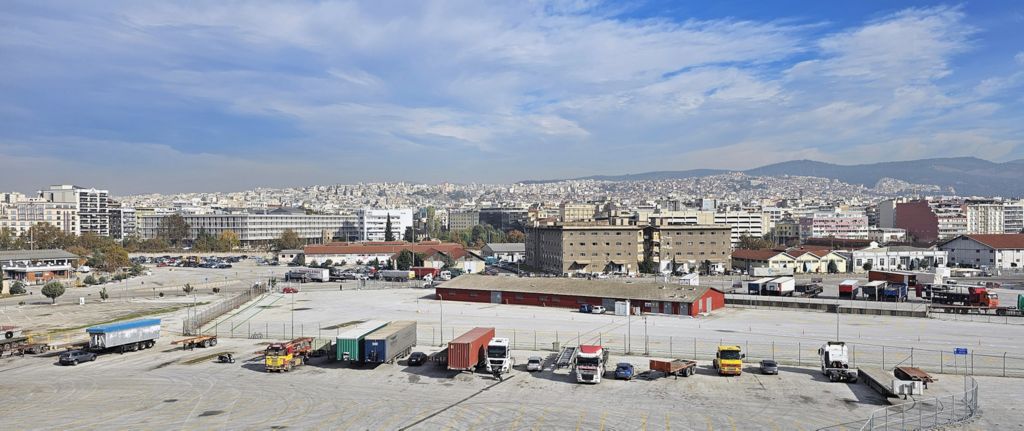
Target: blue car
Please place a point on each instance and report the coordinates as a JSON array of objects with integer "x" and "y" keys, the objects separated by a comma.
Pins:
[{"x": 624, "y": 371}]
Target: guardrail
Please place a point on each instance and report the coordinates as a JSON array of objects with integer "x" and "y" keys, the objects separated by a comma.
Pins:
[
  {"x": 928, "y": 413},
  {"x": 193, "y": 324}
]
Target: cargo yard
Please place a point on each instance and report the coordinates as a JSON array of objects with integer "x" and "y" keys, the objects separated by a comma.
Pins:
[{"x": 341, "y": 352}]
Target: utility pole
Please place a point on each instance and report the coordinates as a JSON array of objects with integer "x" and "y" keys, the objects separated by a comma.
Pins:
[{"x": 441, "y": 303}]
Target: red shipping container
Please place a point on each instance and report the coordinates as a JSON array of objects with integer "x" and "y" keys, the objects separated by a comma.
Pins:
[{"x": 469, "y": 349}]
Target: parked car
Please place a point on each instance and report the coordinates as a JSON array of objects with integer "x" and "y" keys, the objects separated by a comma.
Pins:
[
  {"x": 290, "y": 290},
  {"x": 534, "y": 363},
  {"x": 599, "y": 309},
  {"x": 417, "y": 359},
  {"x": 769, "y": 366},
  {"x": 624, "y": 371},
  {"x": 75, "y": 356}
]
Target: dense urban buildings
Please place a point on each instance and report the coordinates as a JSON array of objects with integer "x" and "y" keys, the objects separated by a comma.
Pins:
[
  {"x": 92, "y": 204},
  {"x": 584, "y": 248}
]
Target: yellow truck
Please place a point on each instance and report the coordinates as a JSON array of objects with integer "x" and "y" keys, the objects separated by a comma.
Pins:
[
  {"x": 285, "y": 356},
  {"x": 729, "y": 361}
]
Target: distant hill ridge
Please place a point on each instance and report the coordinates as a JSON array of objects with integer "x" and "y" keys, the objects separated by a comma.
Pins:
[{"x": 967, "y": 175}]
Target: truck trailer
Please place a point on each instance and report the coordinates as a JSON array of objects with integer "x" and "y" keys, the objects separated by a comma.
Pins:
[
  {"x": 849, "y": 289},
  {"x": 308, "y": 274},
  {"x": 389, "y": 343},
  {"x": 759, "y": 286},
  {"x": 424, "y": 271},
  {"x": 348, "y": 345},
  {"x": 396, "y": 275},
  {"x": 124, "y": 336},
  {"x": 469, "y": 350},
  {"x": 782, "y": 286}
]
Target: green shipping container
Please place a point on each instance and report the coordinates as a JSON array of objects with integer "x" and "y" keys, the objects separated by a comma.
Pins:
[{"x": 349, "y": 344}]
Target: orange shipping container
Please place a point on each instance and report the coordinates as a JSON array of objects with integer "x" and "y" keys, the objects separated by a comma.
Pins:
[{"x": 469, "y": 349}]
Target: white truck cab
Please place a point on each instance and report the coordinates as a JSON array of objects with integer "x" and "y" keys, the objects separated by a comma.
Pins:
[{"x": 499, "y": 355}]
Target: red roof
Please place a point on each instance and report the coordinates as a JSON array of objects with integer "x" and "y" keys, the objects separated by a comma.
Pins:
[
  {"x": 589, "y": 349},
  {"x": 393, "y": 247},
  {"x": 1000, "y": 241},
  {"x": 760, "y": 254}
]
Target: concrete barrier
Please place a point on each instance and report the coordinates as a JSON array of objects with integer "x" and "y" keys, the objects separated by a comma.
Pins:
[{"x": 827, "y": 306}]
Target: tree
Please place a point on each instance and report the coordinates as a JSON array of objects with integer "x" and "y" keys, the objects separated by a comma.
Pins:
[
  {"x": 408, "y": 236},
  {"x": 187, "y": 288},
  {"x": 53, "y": 290},
  {"x": 327, "y": 264},
  {"x": 406, "y": 259},
  {"x": 754, "y": 243},
  {"x": 18, "y": 288},
  {"x": 448, "y": 261},
  {"x": 388, "y": 234},
  {"x": 832, "y": 267},
  {"x": 47, "y": 236},
  {"x": 515, "y": 236},
  {"x": 314, "y": 264},
  {"x": 300, "y": 260},
  {"x": 103, "y": 294},
  {"x": 89, "y": 280},
  {"x": 174, "y": 229},
  {"x": 289, "y": 240},
  {"x": 227, "y": 241},
  {"x": 647, "y": 265},
  {"x": 867, "y": 266},
  {"x": 8, "y": 240}
]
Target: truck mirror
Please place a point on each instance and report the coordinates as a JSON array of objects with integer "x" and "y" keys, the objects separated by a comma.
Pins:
[
  {"x": 743, "y": 355},
  {"x": 819, "y": 351}
]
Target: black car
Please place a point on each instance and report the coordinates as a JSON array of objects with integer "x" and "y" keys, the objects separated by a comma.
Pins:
[
  {"x": 75, "y": 356},
  {"x": 417, "y": 358}
]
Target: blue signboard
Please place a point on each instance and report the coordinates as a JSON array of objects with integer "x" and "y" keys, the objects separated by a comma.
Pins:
[{"x": 960, "y": 351}]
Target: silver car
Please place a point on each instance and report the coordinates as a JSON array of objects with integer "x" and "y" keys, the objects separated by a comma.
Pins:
[
  {"x": 769, "y": 366},
  {"x": 535, "y": 363}
]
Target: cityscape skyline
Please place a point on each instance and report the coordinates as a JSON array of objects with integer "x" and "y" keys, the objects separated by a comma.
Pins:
[{"x": 229, "y": 97}]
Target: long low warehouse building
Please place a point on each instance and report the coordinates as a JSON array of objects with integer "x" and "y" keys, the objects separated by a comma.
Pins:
[{"x": 649, "y": 295}]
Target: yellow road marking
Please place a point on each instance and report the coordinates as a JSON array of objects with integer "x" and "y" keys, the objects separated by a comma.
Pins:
[
  {"x": 579, "y": 422},
  {"x": 731, "y": 422},
  {"x": 455, "y": 418},
  {"x": 519, "y": 417},
  {"x": 540, "y": 420},
  {"x": 667, "y": 427},
  {"x": 708, "y": 419},
  {"x": 603, "y": 417},
  {"x": 643, "y": 423}
]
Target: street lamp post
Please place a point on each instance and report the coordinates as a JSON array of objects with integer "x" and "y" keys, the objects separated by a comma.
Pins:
[{"x": 441, "y": 302}]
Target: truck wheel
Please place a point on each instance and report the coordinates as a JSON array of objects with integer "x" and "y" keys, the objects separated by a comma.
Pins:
[
  {"x": 213, "y": 342},
  {"x": 9, "y": 334}
]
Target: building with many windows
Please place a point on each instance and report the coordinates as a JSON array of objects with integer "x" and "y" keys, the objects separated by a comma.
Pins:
[
  {"x": 843, "y": 225},
  {"x": 985, "y": 218},
  {"x": 371, "y": 223},
  {"x": 263, "y": 229},
  {"x": 92, "y": 205},
  {"x": 897, "y": 258},
  {"x": 681, "y": 248},
  {"x": 996, "y": 251},
  {"x": 463, "y": 219},
  {"x": 21, "y": 215},
  {"x": 569, "y": 212},
  {"x": 584, "y": 248}
]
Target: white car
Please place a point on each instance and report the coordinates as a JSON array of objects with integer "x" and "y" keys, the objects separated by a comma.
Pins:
[
  {"x": 599, "y": 309},
  {"x": 535, "y": 363}
]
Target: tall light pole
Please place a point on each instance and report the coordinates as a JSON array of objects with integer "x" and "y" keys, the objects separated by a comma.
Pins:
[
  {"x": 629, "y": 323},
  {"x": 293, "y": 314},
  {"x": 441, "y": 302}
]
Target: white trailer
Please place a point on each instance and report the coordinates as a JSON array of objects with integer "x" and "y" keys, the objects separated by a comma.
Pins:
[
  {"x": 308, "y": 274},
  {"x": 782, "y": 286}
]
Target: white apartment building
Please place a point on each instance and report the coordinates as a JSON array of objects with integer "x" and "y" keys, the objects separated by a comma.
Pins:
[
  {"x": 1013, "y": 217},
  {"x": 371, "y": 222},
  {"x": 743, "y": 223},
  {"x": 843, "y": 225},
  {"x": 985, "y": 218},
  {"x": 897, "y": 258},
  {"x": 258, "y": 229},
  {"x": 92, "y": 206}
]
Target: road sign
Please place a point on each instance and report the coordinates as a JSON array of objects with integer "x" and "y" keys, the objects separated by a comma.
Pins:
[{"x": 960, "y": 351}]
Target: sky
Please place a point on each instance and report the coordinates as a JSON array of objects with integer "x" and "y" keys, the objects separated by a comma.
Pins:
[{"x": 170, "y": 96}]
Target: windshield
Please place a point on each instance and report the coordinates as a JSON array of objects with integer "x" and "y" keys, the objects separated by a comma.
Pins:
[
  {"x": 729, "y": 354},
  {"x": 587, "y": 361},
  {"x": 534, "y": 361},
  {"x": 275, "y": 351},
  {"x": 495, "y": 351}
]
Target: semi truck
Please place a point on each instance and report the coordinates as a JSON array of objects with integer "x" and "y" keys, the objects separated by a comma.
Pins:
[
  {"x": 424, "y": 271},
  {"x": 285, "y": 356},
  {"x": 782, "y": 286},
  {"x": 835, "y": 362},
  {"x": 971, "y": 299},
  {"x": 469, "y": 350},
  {"x": 591, "y": 363},
  {"x": 396, "y": 275},
  {"x": 308, "y": 274},
  {"x": 124, "y": 336},
  {"x": 499, "y": 356},
  {"x": 348, "y": 345},
  {"x": 391, "y": 342},
  {"x": 759, "y": 286},
  {"x": 728, "y": 361}
]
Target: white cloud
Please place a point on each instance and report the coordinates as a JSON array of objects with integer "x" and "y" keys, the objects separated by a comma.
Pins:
[{"x": 1019, "y": 58}]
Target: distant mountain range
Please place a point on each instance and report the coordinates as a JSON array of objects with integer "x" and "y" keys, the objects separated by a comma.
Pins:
[{"x": 967, "y": 175}]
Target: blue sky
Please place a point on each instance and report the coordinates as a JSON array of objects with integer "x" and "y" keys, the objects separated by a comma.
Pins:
[{"x": 168, "y": 96}]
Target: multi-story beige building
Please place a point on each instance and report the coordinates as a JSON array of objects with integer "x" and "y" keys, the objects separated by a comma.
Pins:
[
  {"x": 576, "y": 212},
  {"x": 21, "y": 215},
  {"x": 584, "y": 248},
  {"x": 984, "y": 218},
  {"x": 673, "y": 248}
]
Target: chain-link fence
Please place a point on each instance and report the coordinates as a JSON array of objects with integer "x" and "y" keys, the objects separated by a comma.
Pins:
[
  {"x": 191, "y": 325},
  {"x": 929, "y": 413},
  {"x": 798, "y": 353}
]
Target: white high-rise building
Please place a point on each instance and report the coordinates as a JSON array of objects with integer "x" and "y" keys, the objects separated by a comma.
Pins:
[
  {"x": 92, "y": 206},
  {"x": 1013, "y": 217},
  {"x": 373, "y": 221},
  {"x": 985, "y": 218}
]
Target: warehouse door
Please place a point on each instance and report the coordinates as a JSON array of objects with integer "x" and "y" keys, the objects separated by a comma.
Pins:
[
  {"x": 666, "y": 307},
  {"x": 495, "y": 297},
  {"x": 707, "y": 307},
  {"x": 608, "y": 303}
]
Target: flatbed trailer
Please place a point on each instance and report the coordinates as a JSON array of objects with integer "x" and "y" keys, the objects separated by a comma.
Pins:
[
  {"x": 566, "y": 357},
  {"x": 200, "y": 341},
  {"x": 677, "y": 367},
  {"x": 974, "y": 309}
]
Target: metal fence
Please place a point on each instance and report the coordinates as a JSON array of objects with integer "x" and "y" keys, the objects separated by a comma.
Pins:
[
  {"x": 798, "y": 353},
  {"x": 929, "y": 413},
  {"x": 192, "y": 324}
]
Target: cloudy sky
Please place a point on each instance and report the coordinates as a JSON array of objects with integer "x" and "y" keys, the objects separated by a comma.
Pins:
[{"x": 166, "y": 96}]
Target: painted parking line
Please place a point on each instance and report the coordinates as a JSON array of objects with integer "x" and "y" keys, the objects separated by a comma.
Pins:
[
  {"x": 540, "y": 420},
  {"x": 604, "y": 416}
]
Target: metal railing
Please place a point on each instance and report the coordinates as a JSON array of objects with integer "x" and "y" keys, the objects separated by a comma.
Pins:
[
  {"x": 193, "y": 324},
  {"x": 928, "y": 413}
]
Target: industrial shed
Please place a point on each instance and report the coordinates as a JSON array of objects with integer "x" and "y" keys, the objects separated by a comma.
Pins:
[{"x": 649, "y": 295}]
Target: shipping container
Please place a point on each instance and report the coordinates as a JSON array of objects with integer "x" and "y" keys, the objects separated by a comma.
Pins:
[
  {"x": 848, "y": 289},
  {"x": 126, "y": 336},
  {"x": 782, "y": 286},
  {"x": 423, "y": 271},
  {"x": 468, "y": 351},
  {"x": 349, "y": 344},
  {"x": 390, "y": 342}
]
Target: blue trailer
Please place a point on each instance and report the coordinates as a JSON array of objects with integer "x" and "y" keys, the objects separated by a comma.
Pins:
[
  {"x": 124, "y": 336},
  {"x": 895, "y": 292},
  {"x": 390, "y": 342}
]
